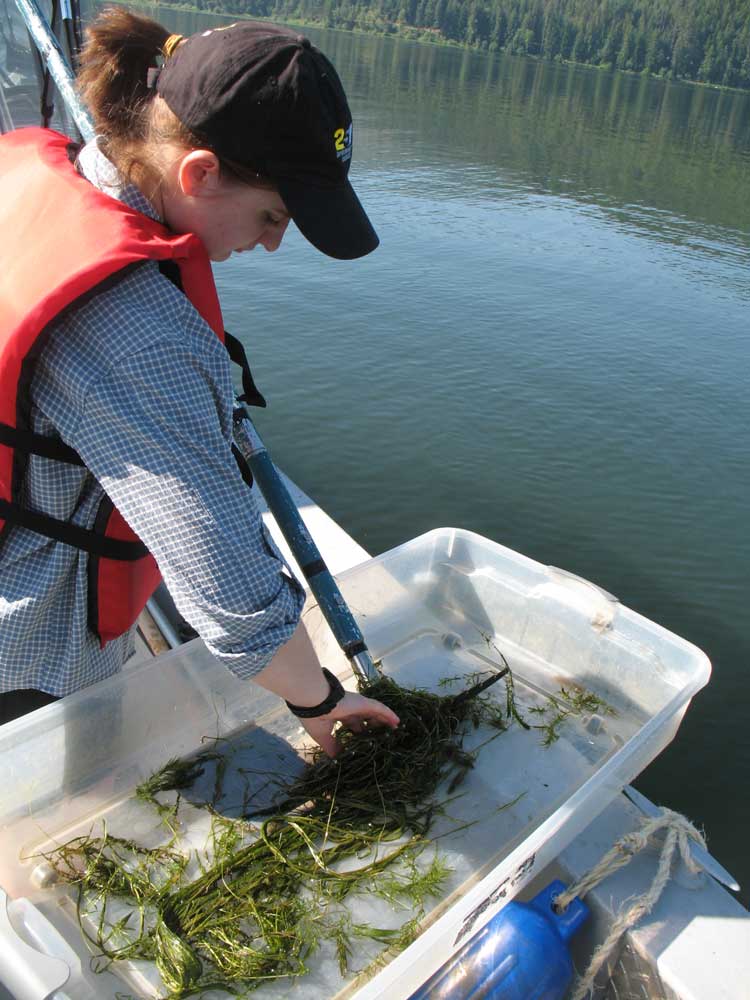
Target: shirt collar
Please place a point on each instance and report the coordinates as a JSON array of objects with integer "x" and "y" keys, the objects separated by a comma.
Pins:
[{"x": 103, "y": 174}]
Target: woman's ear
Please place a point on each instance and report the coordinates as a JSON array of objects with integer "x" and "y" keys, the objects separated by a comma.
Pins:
[{"x": 198, "y": 173}]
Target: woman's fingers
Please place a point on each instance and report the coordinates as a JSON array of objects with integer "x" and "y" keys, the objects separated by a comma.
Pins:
[
  {"x": 353, "y": 711},
  {"x": 356, "y": 706}
]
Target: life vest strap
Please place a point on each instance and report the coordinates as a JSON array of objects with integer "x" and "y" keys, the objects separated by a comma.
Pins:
[
  {"x": 244, "y": 468},
  {"x": 71, "y": 534},
  {"x": 250, "y": 392},
  {"x": 38, "y": 444}
]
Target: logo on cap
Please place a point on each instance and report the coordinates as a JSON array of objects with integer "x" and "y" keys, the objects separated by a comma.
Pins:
[
  {"x": 224, "y": 27},
  {"x": 342, "y": 139}
]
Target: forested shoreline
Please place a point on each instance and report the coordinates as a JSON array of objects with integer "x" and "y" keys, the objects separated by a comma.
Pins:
[{"x": 704, "y": 41}]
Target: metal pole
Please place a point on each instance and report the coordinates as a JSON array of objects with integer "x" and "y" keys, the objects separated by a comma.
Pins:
[
  {"x": 49, "y": 49},
  {"x": 320, "y": 579},
  {"x": 6, "y": 119}
]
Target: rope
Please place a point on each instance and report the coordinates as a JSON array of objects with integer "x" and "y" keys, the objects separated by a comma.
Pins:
[{"x": 679, "y": 833}]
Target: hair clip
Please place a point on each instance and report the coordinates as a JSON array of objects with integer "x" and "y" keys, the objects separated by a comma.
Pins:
[
  {"x": 171, "y": 44},
  {"x": 152, "y": 77}
]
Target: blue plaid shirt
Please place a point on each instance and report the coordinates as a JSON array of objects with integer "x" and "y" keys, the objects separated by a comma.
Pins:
[{"x": 141, "y": 387}]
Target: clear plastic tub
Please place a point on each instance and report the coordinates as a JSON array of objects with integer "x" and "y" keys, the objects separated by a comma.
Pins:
[{"x": 445, "y": 604}]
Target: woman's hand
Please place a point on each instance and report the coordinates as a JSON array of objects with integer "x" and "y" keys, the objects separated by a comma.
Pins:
[
  {"x": 355, "y": 712},
  {"x": 296, "y": 675}
]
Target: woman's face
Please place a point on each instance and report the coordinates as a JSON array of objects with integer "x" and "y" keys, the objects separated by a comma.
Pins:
[
  {"x": 226, "y": 214},
  {"x": 239, "y": 219}
]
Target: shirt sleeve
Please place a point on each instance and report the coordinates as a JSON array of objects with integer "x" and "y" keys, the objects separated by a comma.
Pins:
[{"x": 156, "y": 433}]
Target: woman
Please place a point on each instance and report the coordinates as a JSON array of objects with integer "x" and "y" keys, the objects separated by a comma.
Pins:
[{"x": 116, "y": 399}]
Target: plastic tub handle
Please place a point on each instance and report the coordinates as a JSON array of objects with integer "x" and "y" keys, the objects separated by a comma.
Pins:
[
  {"x": 580, "y": 579},
  {"x": 26, "y": 972}
]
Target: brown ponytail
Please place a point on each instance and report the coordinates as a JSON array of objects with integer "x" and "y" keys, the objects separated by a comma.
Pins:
[
  {"x": 131, "y": 125},
  {"x": 119, "y": 49},
  {"x": 112, "y": 80}
]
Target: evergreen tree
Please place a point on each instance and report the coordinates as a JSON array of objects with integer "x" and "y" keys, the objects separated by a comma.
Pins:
[{"x": 703, "y": 40}]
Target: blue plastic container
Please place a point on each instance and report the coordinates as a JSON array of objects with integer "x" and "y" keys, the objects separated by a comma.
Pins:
[{"x": 521, "y": 954}]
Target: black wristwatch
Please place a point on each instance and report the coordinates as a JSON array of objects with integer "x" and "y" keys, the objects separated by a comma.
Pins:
[{"x": 335, "y": 695}]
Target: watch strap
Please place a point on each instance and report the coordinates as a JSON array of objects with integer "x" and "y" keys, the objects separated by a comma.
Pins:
[{"x": 335, "y": 694}]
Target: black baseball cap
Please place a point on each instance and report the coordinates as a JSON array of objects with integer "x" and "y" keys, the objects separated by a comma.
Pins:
[{"x": 263, "y": 97}]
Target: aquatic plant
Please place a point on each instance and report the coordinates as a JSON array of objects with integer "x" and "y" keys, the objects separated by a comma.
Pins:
[
  {"x": 567, "y": 703},
  {"x": 275, "y": 882},
  {"x": 272, "y": 883}
]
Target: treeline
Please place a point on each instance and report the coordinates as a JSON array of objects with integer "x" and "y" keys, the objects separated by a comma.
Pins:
[{"x": 701, "y": 40}]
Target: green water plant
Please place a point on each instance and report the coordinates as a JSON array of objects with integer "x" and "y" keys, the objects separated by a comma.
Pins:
[
  {"x": 278, "y": 881},
  {"x": 569, "y": 702},
  {"x": 272, "y": 885}
]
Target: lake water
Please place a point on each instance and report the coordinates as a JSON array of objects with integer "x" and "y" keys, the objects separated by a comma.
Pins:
[{"x": 550, "y": 348}]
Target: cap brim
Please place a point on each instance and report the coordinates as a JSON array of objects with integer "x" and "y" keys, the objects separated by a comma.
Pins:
[{"x": 332, "y": 219}]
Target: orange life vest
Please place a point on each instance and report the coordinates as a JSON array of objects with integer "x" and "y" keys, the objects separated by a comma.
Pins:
[{"x": 62, "y": 240}]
